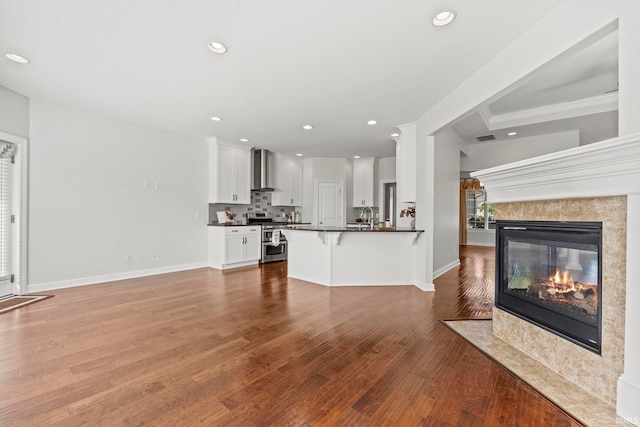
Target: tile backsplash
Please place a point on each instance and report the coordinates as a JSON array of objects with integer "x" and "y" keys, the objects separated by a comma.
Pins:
[{"x": 260, "y": 202}]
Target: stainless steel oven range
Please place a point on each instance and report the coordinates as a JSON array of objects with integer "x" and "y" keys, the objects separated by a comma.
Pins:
[
  {"x": 274, "y": 244},
  {"x": 273, "y": 249}
]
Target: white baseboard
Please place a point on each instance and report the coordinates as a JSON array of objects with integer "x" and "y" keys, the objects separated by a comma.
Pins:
[
  {"x": 446, "y": 268},
  {"x": 234, "y": 265},
  {"x": 627, "y": 399},
  {"x": 48, "y": 286},
  {"x": 426, "y": 287}
]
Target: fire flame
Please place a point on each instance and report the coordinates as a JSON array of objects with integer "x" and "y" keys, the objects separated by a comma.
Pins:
[{"x": 563, "y": 279}]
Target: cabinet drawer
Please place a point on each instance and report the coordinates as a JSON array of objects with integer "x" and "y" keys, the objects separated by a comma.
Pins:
[{"x": 242, "y": 231}]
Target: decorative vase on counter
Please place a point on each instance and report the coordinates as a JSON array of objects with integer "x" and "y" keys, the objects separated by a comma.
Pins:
[{"x": 410, "y": 211}]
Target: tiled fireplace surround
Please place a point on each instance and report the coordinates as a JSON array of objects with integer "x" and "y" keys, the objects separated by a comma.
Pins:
[
  {"x": 595, "y": 182},
  {"x": 595, "y": 373}
]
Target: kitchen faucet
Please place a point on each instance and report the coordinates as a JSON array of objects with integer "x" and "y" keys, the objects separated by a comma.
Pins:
[{"x": 370, "y": 218}]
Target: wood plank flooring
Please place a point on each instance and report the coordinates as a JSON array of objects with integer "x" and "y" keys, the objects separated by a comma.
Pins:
[{"x": 251, "y": 347}]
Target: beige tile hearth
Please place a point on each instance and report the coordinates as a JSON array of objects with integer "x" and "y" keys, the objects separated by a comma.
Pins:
[{"x": 585, "y": 407}]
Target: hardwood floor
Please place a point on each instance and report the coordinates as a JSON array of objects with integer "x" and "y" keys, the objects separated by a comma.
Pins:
[{"x": 251, "y": 347}]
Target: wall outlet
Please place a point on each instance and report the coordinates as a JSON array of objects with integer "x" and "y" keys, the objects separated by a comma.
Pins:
[
  {"x": 128, "y": 258},
  {"x": 147, "y": 185},
  {"x": 197, "y": 213}
]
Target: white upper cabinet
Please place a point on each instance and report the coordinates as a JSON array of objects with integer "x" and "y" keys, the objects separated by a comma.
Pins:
[
  {"x": 364, "y": 182},
  {"x": 229, "y": 173},
  {"x": 406, "y": 163},
  {"x": 287, "y": 181}
]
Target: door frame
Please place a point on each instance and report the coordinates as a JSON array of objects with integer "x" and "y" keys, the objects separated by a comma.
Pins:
[
  {"x": 20, "y": 210},
  {"x": 381, "y": 183},
  {"x": 316, "y": 191}
]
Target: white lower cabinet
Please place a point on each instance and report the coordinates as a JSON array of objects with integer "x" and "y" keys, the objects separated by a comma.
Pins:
[{"x": 231, "y": 247}]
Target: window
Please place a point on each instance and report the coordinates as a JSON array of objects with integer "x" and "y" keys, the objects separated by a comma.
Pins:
[{"x": 479, "y": 212}]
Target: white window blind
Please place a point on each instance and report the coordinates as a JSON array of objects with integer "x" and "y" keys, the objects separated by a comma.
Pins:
[{"x": 7, "y": 152}]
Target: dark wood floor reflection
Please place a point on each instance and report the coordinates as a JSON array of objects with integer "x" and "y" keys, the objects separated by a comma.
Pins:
[{"x": 251, "y": 347}]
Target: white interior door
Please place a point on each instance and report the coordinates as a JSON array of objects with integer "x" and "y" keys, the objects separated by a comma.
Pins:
[{"x": 330, "y": 204}]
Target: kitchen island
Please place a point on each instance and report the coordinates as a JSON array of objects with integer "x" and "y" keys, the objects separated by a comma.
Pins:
[{"x": 335, "y": 256}]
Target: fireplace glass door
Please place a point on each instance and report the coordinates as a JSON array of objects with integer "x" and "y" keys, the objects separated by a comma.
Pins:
[{"x": 549, "y": 274}]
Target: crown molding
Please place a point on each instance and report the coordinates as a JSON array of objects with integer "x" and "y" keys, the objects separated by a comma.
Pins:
[
  {"x": 605, "y": 168},
  {"x": 564, "y": 110}
]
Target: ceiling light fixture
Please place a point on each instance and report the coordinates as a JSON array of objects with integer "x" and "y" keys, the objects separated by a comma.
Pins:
[
  {"x": 307, "y": 127},
  {"x": 216, "y": 119},
  {"x": 244, "y": 140},
  {"x": 512, "y": 133},
  {"x": 17, "y": 58},
  {"x": 217, "y": 47},
  {"x": 395, "y": 135},
  {"x": 299, "y": 154},
  {"x": 356, "y": 157},
  {"x": 443, "y": 18},
  {"x": 372, "y": 122}
]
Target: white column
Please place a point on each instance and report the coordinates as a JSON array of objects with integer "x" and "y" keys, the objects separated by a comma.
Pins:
[
  {"x": 425, "y": 192},
  {"x": 573, "y": 262},
  {"x": 629, "y": 382},
  {"x": 406, "y": 161},
  {"x": 629, "y": 68},
  {"x": 628, "y": 399}
]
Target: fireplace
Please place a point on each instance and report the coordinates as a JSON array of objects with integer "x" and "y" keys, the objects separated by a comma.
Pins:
[{"x": 549, "y": 273}]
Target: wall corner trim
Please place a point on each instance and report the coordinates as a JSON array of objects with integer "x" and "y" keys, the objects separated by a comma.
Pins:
[
  {"x": 425, "y": 287},
  {"x": 628, "y": 398},
  {"x": 439, "y": 272}
]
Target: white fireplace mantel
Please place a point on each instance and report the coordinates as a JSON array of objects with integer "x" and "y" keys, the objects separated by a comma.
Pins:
[{"x": 607, "y": 168}]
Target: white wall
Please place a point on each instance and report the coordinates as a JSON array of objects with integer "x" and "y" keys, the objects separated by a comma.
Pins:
[
  {"x": 446, "y": 201},
  {"x": 479, "y": 237},
  {"x": 89, "y": 207},
  {"x": 387, "y": 169},
  {"x": 494, "y": 153},
  {"x": 14, "y": 113}
]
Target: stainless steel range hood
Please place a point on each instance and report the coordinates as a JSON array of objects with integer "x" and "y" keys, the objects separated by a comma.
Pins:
[{"x": 262, "y": 170}]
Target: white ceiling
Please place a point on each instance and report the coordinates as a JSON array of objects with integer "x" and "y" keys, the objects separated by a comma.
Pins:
[
  {"x": 576, "y": 92},
  {"x": 334, "y": 64}
]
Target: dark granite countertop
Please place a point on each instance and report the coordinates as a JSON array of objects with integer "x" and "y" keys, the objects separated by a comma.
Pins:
[
  {"x": 217, "y": 224},
  {"x": 278, "y": 224},
  {"x": 354, "y": 230}
]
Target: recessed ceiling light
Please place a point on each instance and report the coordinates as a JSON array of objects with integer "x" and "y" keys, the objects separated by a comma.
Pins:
[
  {"x": 307, "y": 127},
  {"x": 443, "y": 18},
  {"x": 372, "y": 122},
  {"x": 216, "y": 119},
  {"x": 217, "y": 47},
  {"x": 17, "y": 58},
  {"x": 395, "y": 135},
  {"x": 244, "y": 140},
  {"x": 299, "y": 154},
  {"x": 512, "y": 133},
  {"x": 356, "y": 157}
]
